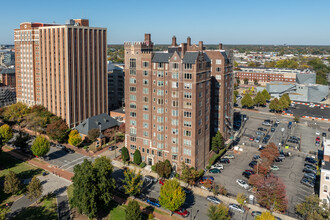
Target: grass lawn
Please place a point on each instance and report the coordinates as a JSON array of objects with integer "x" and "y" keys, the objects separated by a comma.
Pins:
[
  {"x": 118, "y": 213},
  {"x": 46, "y": 209}
]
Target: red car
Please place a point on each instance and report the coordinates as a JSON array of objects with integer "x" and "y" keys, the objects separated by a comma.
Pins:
[
  {"x": 318, "y": 139},
  {"x": 161, "y": 181},
  {"x": 205, "y": 181},
  {"x": 251, "y": 138},
  {"x": 250, "y": 171},
  {"x": 182, "y": 212}
]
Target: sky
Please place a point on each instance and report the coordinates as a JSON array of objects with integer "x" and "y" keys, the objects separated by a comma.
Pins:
[{"x": 293, "y": 22}]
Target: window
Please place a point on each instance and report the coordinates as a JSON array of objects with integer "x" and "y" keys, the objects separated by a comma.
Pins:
[
  {"x": 145, "y": 133},
  {"x": 187, "y": 104},
  {"x": 160, "y": 128},
  {"x": 325, "y": 188},
  {"x": 187, "y": 95},
  {"x": 145, "y": 142},
  {"x": 175, "y": 113},
  {"x": 187, "y": 66},
  {"x": 187, "y": 123},
  {"x": 132, "y": 80},
  {"x": 175, "y": 149},
  {"x": 160, "y": 119},
  {"x": 218, "y": 62},
  {"x": 218, "y": 69},
  {"x": 187, "y": 76},
  {"x": 186, "y": 133},
  {"x": 187, "y": 161},
  {"x": 132, "y": 97},
  {"x": 133, "y": 147},
  {"x": 160, "y": 110},
  {"x": 175, "y": 75},
  {"x": 174, "y": 141},
  {"x": 200, "y": 94},
  {"x": 146, "y": 116},
  {"x": 187, "y": 114},
  {"x": 160, "y": 65},
  {"x": 133, "y": 139},
  {"x": 132, "y": 122},
  {"x": 145, "y": 64},
  {"x": 145, "y": 82},
  {"x": 159, "y": 153},
  {"x": 145, "y": 72},
  {"x": 175, "y": 94},
  {"x": 175, "y": 131},
  {"x": 160, "y": 137},
  {"x": 187, "y": 85},
  {"x": 145, "y": 99},
  {"x": 175, "y": 122},
  {"x": 160, "y": 92},
  {"x": 132, "y": 105},
  {"x": 132, "y": 72},
  {"x": 160, "y": 83},
  {"x": 132, "y": 63},
  {"x": 175, "y": 66},
  {"x": 145, "y": 90},
  {"x": 174, "y": 157},
  {"x": 218, "y": 77},
  {"x": 186, "y": 151},
  {"x": 145, "y": 107},
  {"x": 132, "y": 114},
  {"x": 160, "y": 74},
  {"x": 132, "y": 131},
  {"x": 327, "y": 176},
  {"x": 175, "y": 85},
  {"x": 160, "y": 101},
  {"x": 132, "y": 89},
  {"x": 199, "y": 131},
  {"x": 187, "y": 142}
]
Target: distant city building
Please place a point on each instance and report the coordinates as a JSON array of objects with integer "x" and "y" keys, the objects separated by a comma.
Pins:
[
  {"x": 265, "y": 75},
  {"x": 168, "y": 101},
  {"x": 9, "y": 58},
  {"x": 8, "y": 77},
  {"x": 324, "y": 193},
  {"x": 116, "y": 83},
  {"x": 63, "y": 67},
  {"x": 7, "y": 96}
]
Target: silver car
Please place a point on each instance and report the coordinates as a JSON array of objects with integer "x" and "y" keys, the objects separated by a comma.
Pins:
[
  {"x": 213, "y": 199},
  {"x": 236, "y": 208}
]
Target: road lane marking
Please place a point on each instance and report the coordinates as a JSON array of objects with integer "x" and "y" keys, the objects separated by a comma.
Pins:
[{"x": 72, "y": 161}]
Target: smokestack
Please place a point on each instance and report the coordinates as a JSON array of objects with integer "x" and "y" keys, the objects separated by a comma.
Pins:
[
  {"x": 220, "y": 46},
  {"x": 147, "y": 39},
  {"x": 188, "y": 41},
  {"x": 174, "y": 41},
  {"x": 200, "y": 44}
]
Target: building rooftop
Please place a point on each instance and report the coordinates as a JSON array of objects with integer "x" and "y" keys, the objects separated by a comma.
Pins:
[
  {"x": 103, "y": 121},
  {"x": 274, "y": 70},
  {"x": 326, "y": 150},
  {"x": 119, "y": 110},
  {"x": 8, "y": 71},
  {"x": 326, "y": 165}
]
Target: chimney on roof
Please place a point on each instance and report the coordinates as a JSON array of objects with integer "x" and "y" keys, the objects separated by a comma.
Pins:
[
  {"x": 147, "y": 39},
  {"x": 188, "y": 41},
  {"x": 220, "y": 46},
  {"x": 174, "y": 41},
  {"x": 183, "y": 48},
  {"x": 200, "y": 45}
]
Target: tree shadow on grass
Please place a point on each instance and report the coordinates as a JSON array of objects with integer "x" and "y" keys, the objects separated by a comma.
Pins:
[
  {"x": 106, "y": 209},
  {"x": 35, "y": 212},
  {"x": 29, "y": 173},
  {"x": 7, "y": 161}
]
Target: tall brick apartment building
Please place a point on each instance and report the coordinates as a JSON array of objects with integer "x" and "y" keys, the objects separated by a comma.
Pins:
[
  {"x": 168, "y": 102},
  {"x": 63, "y": 67}
]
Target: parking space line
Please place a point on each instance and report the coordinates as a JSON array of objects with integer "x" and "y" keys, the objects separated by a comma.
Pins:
[{"x": 73, "y": 161}]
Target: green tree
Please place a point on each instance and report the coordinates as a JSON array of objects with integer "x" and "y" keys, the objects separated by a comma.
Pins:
[
  {"x": 74, "y": 138},
  {"x": 284, "y": 102},
  {"x": 93, "y": 134},
  {"x": 124, "y": 154},
  {"x": 235, "y": 64},
  {"x": 188, "y": 174},
  {"x": 93, "y": 186},
  {"x": 167, "y": 168},
  {"x": 57, "y": 130},
  {"x": 160, "y": 167},
  {"x": 255, "y": 82},
  {"x": 34, "y": 189},
  {"x": 217, "y": 142},
  {"x": 246, "y": 81},
  {"x": 259, "y": 99},
  {"x": 137, "y": 157},
  {"x": 276, "y": 105},
  {"x": 287, "y": 63},
  {"x": 40, "y": 146},
  {"x": 21, "y": 140},
  {"x": 236, "y": 93},
  {"x": 241, "y": 198},
  {"x": 266, "y": 94},
  {"x": 310, "y": 209},
  {"x": 235, "y": 100},
  {"x": 270, "y": 64},
  {"x": 6, "y": 133},
  {"x": 247, "y": 101},
  {"x": 15, "y": 112},
  {"x": 265, "y": 216},
  {"x": 132, "y": 182},
  {"x": 218, "y": 212},
  {"x": 171, "y": 196},
  {"x": 252, "y": 64},
  {"x": 133, "y": 211},
  {"x": 12, "y": 184}
]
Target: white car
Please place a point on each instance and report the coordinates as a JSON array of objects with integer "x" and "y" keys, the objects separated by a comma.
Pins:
[
  {"x": 230, "y": 156},
  {"x": 236, "y": 208},
  {"x": 243, "y": 184},
  {"x": 317, "y": 133},
  {"x": 217, "y": 166},
  {"x": 213, "y": 199}
]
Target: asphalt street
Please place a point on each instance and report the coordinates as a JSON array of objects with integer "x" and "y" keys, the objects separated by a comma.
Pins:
[{"x": 305, "y": 110}]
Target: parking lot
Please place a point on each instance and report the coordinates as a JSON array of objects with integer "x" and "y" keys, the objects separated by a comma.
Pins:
[{"x": 305, "y": 110}]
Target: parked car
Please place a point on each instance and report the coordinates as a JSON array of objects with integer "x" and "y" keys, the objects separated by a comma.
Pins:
[
  {"x": 278, "y": 159},
  {"x": 230, "y": 156},
  {"x": 324, "y": 134},
  {"x": 111, "y": 148},
  {"x": 272, "y": 129},
  {"x": 309, "y": 166},
  {"x": 262, "y": 129},
  {"x": 162, "y": 181},
  {"x": 317, "y": 143},
  {"x": 153, "y": 202},
  {"x": 246, "y": 174},
  {"x": 290, "y": 124},
  {"x": 242, "y": 183},
  {"x": 310, "y": 160},
  {"x": 260, "y": 133},
  {"x": 256, "y": 157},
  {"x": 183, "y": 212},
  {"x": 310, "y": 175},
  {"x": 224, "y": 160},
  {"x": 273, "y": 167},
  {"x": 252, "y": 163},
  {"x": 306, "y": 170},
  {"x": 217, "y": 166},
  {"x": 215, "y": 170},
  {"x": 236, "y": 208},
  {"x": 317, "y": 133},
  {"x": 266, "y": 124},
  {"x": 261, "y": 148},
  {"x": 250, "y": 171},
  {"x": 281, "y": 156},
  {"x": 256, "y": 213},
  {"x": 251, "y": 139},
  {"x": 205, "y": 188},
  {"x": 257, "y": 140},
  {"x": 213, "y": 199},
  {"x": 208, "y": 178},
  {"x": 306, "y": 182},
  {"x": 150, "y": 179},
  {"x": 68, "y": 150},
  {"x": 59, "y": 146}
]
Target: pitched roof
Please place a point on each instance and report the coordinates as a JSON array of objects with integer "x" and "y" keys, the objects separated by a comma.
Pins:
[
  {"x": 190, "y": 57},
  {"x": 161, "y": 57},
  {"x": 326, "y": 165},
  {"x": 103, "y": 120},
  {"x": 8, "y": 71}
]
